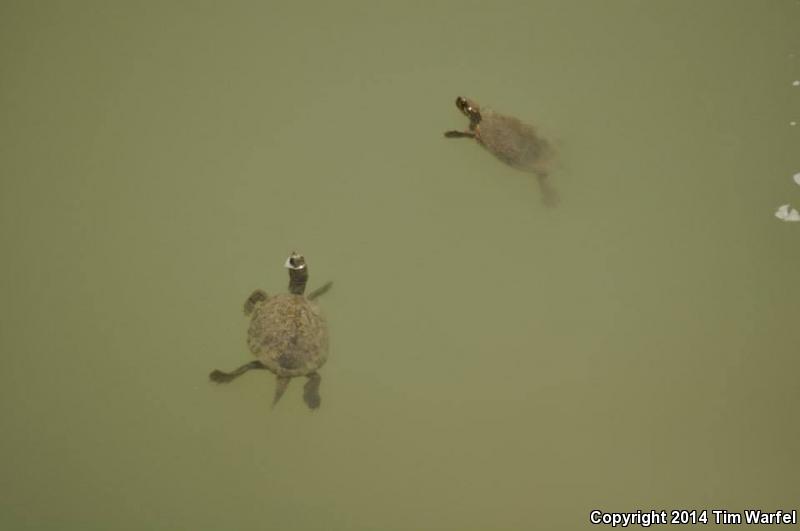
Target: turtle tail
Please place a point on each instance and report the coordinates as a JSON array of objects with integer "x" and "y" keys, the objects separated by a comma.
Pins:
[
  {"x": 549, "y": 195},
  {"x": 280, "y": 388}
]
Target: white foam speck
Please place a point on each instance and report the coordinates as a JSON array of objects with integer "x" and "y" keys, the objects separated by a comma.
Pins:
[
  {"x": 793, "y": 123},
  {"x": 796, "y": 83},
  {"x": 786, "y": 213},
  {"x": 796, "y": 178}
]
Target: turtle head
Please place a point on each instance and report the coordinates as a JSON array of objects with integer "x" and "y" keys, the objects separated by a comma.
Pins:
[
  {"x": 298, "y": 273},
  {"x": 470, "y": 109},
  {"x": 295, "y": 261}
]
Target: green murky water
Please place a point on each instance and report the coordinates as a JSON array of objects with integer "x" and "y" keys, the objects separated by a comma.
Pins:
[{"x": 495, "y": 364}]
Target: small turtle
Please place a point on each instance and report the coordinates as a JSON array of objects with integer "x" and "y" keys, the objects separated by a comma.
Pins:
[
  {"x": 287, "y": 334},
  {"x": 515, "y": 143}
]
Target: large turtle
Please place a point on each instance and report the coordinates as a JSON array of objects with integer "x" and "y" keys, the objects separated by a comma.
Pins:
[
  {"x": 510, "y": 140},
  {"x": 287, "y": 335}
]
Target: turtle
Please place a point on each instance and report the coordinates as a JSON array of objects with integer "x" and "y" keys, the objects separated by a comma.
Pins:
[
  {"x": 288, "y": 335},
  {"x": 510, "y": 140}
]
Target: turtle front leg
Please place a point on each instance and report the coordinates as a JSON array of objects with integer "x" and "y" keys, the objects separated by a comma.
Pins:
[
  {"x": 320, "y": 291},
  {"x": 311, "y": 391},
  {"x": 459, "y": 134},
  {"x": 225, "y": 377},
  {"x": 252, "y": 301}
]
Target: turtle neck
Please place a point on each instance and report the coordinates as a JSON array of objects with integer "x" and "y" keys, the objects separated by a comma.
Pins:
[{"x": 297, "y": 280}]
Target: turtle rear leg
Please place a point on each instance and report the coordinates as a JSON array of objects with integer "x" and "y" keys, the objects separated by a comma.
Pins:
[
  {"x": 311, "y": 391},
  {"x": 282, "y": 384},
  {"x": 225, "y": 377},
  {"x": 459, "y": 134}
]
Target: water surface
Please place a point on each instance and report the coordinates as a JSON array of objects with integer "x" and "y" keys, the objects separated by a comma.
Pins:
[{"x": 495, "y": 364}]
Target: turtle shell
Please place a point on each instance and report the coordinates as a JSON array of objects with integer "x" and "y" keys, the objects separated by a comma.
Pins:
[
  {"x": 514, "y": 142},
  {"x": 289, "y": 335}
]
